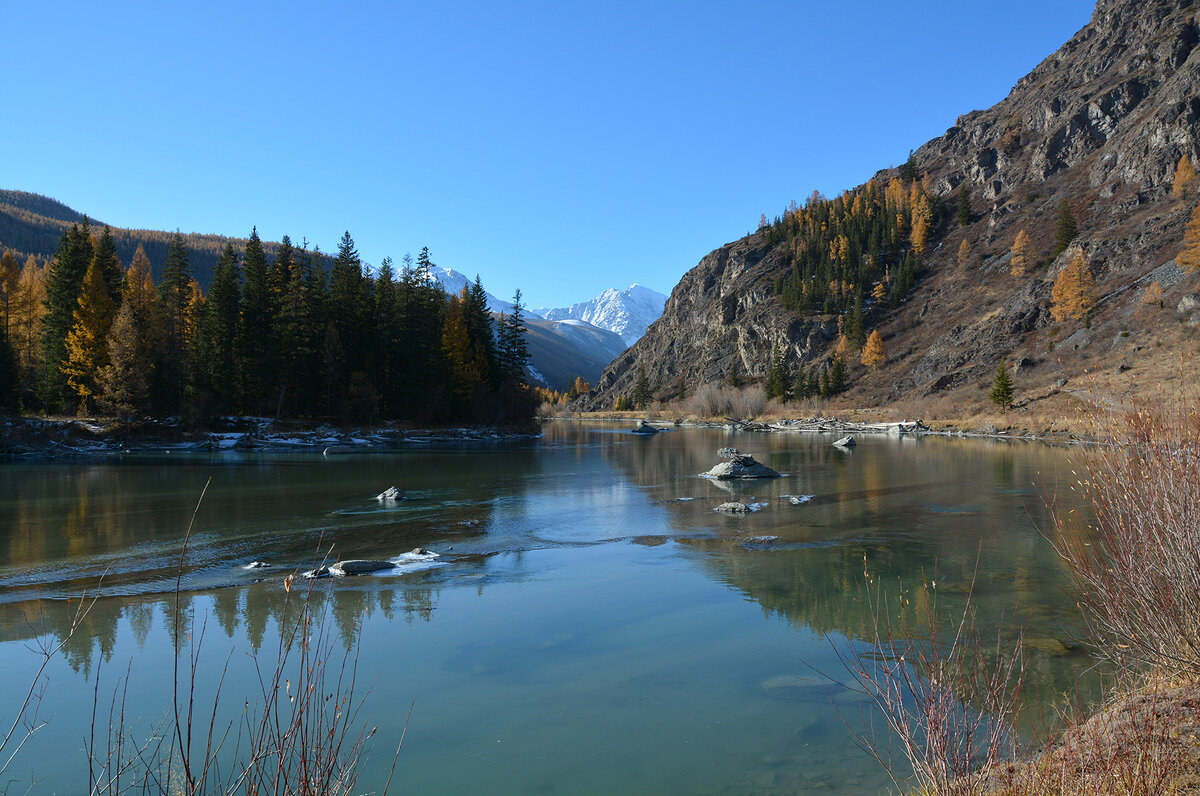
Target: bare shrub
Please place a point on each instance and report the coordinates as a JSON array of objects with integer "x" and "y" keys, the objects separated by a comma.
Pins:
[
  {"x": 949, "y": 698},
  {"x": 1137, "y": 562},
  {"x": 714, "y": 400}
]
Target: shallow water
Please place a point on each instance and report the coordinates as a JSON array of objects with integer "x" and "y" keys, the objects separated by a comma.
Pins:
[{"x": 590, "y": 624}]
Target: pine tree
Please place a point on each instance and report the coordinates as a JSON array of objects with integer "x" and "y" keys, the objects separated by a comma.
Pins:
[
  {"x": 513, "y": 348},
  {"x": 105, "y": 255},
  {"x": 1072, "y": 292},
  {"x": 174, "y": 294},
  {"x": 1189, "y": 258},
  {"x": 1022, "y": 254},
  {"x": 856, "y": 331},
  {"x": 1065, "y": 230},
  {"x": 223, "y": 311},
  {"x": 873, "y": 354},
  {"x": 1185, "y": 172},
  {"x": 86, "y": 346},
  {"x": 255, "y": 347},
  {"x": 964, "y": 205},
  {"x": 776, "y": 386},
  {"x": 1002, "y": 388},
  {"x": 480, "y": 329},
  {"x": 63, "y": 284},
  {"x": 642, "y": 394}
]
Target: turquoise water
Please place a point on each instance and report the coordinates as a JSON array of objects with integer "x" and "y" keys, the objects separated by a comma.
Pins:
[{"x": 590, "y": 624}]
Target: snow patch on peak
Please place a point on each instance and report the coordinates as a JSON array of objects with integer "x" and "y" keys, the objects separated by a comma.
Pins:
[{"x": 628, "y": 312}]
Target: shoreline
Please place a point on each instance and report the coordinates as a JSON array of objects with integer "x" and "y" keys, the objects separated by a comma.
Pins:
[{"x": 35, "y": 438}]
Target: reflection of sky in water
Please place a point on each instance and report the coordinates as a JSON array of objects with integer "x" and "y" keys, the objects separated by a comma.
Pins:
[{"x": 584, "y": 629}]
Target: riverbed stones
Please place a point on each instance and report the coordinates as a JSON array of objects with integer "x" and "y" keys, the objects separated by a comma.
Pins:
[
  {"x": 733, "y": 507},
  {"x": 740, "y": 465}
]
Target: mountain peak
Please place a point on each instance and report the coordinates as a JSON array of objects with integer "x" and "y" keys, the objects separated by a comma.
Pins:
[{"x": 627, "y": 312}]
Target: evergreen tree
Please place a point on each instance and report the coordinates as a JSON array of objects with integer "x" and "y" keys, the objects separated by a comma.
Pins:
[
  {"x": 10, "y": 394},
  {"x": 124, "y": 384},
  {"x": 255, "y": 347},
  {"x": 776, "y": 385},
  {"x": 174, "y": 295},
  {"x": 63, "y": 284},
  {"x": 856, "y": 331},
  {"x": 223, "y": 314},
  {"x": 87, "y": 351},
  {"x": 350, "y": 309},
  {"x": 964, "y": 205},
  {"x": 295, "y": 329},
  {"x": 105, "y": 255},
  {"x": 513, "y": 348},
  {"x": 480, "y": 329},
  {"x": 735, "y": 377},
  {"x": 390, "y": 348},
  {"x": 1065, "y": 230},
  {"x": 1002, "y": 388},
  {"x": 800, "y": 390},
  {"x": 641, "y": 391}
]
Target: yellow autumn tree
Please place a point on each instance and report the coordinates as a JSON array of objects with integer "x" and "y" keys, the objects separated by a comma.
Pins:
[
  {"x": 873, "y": 354},
  {"x": 922, "y": 218},
  {"x": 1022, "y": 254},
  {"x": 87, "y": 349},
  {"x": 1189, "y": 258},
  {"x": 9, "y": 276},
  {"x": 1152, "y": 296},
  {"x": 880, "y": 292},
  {"x": 1072, "y": 295},
  {"x": 964, "y": 254},
  {"x": 27, "y": 307},
  {"x": 1185, "y": 172}
]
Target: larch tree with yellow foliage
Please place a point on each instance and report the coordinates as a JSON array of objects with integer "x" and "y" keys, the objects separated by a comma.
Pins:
[
  {"x": 964, "y": 254},
  {"x": 922, "y": 219},
  {"x": 1189, "y": 258},
  {"x": 880, "y": 292},
  {"x": 136, "y": 333},
  {"x": 1072, "y": 295},
  {"x": 1185, "y": 172},
  {"x": 1022, "y": 254},
  {"x": 87, "y": 349},
  {"x": 1152, "y": 296},
  {"x": 873, "y": 354}
]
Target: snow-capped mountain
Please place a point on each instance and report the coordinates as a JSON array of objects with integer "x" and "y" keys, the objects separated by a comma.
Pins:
[
  {"x": 627, "y": 312},
  {"x": 453, "y": 282}
]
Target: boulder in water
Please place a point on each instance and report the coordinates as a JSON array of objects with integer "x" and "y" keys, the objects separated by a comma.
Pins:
[
  {"x": 359, "y": 567},
  {"x": 319, "y": 572},
  {"x": 845, "y": 442},
  {"x": 733, "y": 507},
  {"x": 644, "y": 428},
  {"x": 391, "y": 495},
  {"x": 740, "y": 465}
]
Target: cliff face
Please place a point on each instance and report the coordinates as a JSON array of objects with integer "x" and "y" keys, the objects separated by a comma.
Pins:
[{"x": 1101, "y": 123}]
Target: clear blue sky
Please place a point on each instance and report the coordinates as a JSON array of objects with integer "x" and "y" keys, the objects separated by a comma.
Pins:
[{"x": 559, "y": 147}]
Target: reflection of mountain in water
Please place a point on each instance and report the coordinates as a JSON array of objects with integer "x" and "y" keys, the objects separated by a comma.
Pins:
[{"x": 896, "y": 515}]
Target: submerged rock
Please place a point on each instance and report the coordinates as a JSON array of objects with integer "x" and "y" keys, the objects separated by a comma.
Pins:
[
  {"x": 733, "y": 507},
  {"x": 359, "y": 567},
  {"x": 741, "y": 465},
  {"x": 845, "y": 442},
  {"x": 391, "y": 495},
  {"x": 257, "y": 565},
  {"x": 319, "y": 572}
]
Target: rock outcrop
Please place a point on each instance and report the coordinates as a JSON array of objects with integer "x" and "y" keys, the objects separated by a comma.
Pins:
[
  {"x": 1101, "y": 124},
  {"x": 740, "y": 465}
]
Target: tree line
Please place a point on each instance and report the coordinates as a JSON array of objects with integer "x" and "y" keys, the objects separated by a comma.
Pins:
[{"x": 273, "y": 335}]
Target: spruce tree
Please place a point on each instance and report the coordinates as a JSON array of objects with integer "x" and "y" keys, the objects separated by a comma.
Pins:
[
  {"x": 1002, "y": 388},
  {"x": 63, "y": 283},
  {"x": 174, "y": 294},
  {"x": 105, "y": 255},
  {"x": 776, "y": 385},
  {"x": 1064, "y": 231},
  {"x": 964, "y": 205},
  {"x": 513, "y": 348},
  {"x": 223, "y": 311},
  {"x": 255, "y": 347},
  {"x": 480, "y": 329},
  {"x": 641, "y": 391}
]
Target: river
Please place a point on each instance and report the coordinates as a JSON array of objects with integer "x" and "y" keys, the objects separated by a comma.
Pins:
[{"x": 590, "y": 624}]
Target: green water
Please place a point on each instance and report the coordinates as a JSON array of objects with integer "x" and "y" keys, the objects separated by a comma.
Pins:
[{"x": 584, "y": 630}]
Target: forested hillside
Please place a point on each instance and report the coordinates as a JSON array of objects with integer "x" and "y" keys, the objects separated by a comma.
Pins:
[
  {"x": 273, "y": 334},
  {"x": 1057, "y": 232}
]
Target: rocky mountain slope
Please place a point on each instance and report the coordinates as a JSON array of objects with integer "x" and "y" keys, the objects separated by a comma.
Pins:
[
  {"x": 627, "y": 312},
  {"x": 561, "y": 350},
  {"x": 1102, "y": 124}
]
